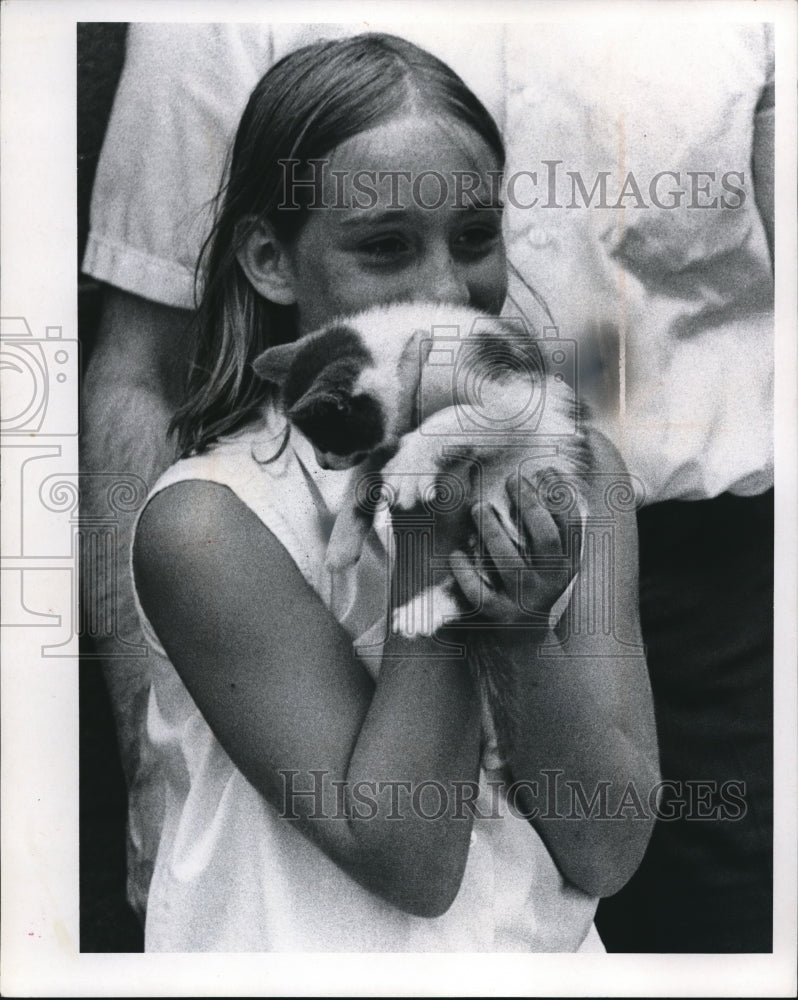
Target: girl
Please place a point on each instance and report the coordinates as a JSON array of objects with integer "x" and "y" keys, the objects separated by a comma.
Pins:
[{"x": 310, "y": 803}]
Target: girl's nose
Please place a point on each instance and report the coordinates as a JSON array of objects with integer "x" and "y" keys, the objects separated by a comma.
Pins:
[{"x": 443, "y": 281}]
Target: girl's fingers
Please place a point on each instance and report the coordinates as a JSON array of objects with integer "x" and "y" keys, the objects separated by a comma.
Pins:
[
  {"x": 506, "y": 605},
  {"x": 543, "y": 531},
  {"x": 468, "y": 578},
  {"x": 495, "y": 531},
  {"x": 498, "y": 578},
  {"x": 498, "y": 545},
  {"x": 479, "y": 592}
]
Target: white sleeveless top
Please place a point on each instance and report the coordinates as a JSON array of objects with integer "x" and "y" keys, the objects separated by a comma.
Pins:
[{"x": 230, "y": 874}]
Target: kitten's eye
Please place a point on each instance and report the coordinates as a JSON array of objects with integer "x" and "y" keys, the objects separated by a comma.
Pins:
[{"x": 343, "y": 406}]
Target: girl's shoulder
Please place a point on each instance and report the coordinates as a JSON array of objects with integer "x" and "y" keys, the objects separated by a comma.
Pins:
[
  {"x": 244, "y": 462},
  {"x": 607, "y": 478},
  {"x": 259, "y": 443},
  {"x": 188, "y": 531},
  {"x": 612, "y": 497},
  {"x": 246, "y": 482}
]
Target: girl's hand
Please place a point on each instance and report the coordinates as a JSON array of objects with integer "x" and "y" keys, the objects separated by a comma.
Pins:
[{"x": 515, "y": 577}]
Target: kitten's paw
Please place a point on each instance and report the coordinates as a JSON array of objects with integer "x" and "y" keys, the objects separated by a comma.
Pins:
[
  {"x": 405, "y": 492},
  {"x": 410, "y": 489},
  {"x": 445, "y": 607},
  {"x": 427, "y": 612},
  {"x": 410, "y": 475}
]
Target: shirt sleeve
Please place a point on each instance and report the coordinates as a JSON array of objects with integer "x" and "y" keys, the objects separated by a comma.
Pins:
[{"x": 181, "y": 94}]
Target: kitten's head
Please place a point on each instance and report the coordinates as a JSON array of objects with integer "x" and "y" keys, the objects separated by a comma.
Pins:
[
  {"x": 318, "y": 380},
  {"x": 351, "y": 387}
]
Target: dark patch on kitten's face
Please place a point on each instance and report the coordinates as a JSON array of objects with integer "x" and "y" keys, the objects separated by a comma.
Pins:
[
  {"x": 504, "y": 354},
  {"x": 336, "y": 421},
  {"x": 319, "y": 394}
]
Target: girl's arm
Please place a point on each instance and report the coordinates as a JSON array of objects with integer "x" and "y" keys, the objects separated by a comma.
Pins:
[
  {"x": 584, "y": 746},
  {"x": 277, "y": 680}
]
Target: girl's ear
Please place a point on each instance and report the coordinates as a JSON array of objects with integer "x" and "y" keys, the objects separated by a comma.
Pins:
[
  {"x": 275, "y": 362},
  {"x": 265, "y": 262}
]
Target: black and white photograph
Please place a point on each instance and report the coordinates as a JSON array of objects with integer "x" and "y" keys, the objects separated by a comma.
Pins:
[{"x": 399, "y": 492}]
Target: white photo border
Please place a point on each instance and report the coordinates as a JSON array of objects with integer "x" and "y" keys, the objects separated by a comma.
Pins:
[{"x": 40, "y": 938}]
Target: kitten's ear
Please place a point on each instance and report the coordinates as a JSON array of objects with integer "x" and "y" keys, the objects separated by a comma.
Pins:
[
  {"x": 411, "y": 361},
  {"x": 275, "y": 362},
  {"x": 413, "y": 358},
  {"x": 316, "y": 400}
]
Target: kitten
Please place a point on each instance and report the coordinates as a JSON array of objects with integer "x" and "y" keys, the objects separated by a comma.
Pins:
[
  {"x": 419, "y": 392},
  {"x": 415, "y": 389}
]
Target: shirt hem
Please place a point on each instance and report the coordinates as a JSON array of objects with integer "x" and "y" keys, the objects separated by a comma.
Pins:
[{"x": 140, "y": 273}]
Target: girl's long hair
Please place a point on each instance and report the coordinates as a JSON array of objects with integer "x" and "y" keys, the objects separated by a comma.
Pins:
[{"x": 307, "y": 104}]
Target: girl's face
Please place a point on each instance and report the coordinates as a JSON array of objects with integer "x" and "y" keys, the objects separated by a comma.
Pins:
[{"x": 392, "y": 230}]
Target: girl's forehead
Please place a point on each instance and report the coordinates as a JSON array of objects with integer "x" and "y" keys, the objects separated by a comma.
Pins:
[{"x": 415, "y": 145}]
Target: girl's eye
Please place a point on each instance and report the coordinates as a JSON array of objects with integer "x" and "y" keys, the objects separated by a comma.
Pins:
[
  {"x": 385, "y": 249},
  {"x": 477, "y": 241}
]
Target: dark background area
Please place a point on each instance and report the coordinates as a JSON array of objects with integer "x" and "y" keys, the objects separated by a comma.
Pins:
[
  {"x": 107, "y": 924},
  {"x": 101, "y": 54}
]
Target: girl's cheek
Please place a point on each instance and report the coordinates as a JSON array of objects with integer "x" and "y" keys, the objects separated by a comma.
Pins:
[
  {"x": 364, "y": 289},
  {"x": 340, "y": 285}
]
